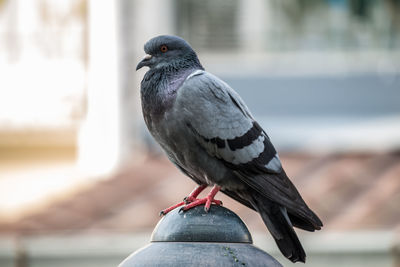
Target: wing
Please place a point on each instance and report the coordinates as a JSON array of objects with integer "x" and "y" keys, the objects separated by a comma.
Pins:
[
  {"x": 222, "y": 124},
  {"x": 183, "y": 169}
]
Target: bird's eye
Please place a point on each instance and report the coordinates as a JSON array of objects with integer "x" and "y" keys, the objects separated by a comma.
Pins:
[{"x": 163, "y": 48}]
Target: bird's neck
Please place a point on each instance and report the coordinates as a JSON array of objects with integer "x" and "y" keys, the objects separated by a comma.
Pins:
[{"x": 159, "y": 87}]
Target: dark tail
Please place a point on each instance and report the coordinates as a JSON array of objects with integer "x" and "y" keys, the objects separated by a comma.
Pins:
[{"x": 278, "y": 223}]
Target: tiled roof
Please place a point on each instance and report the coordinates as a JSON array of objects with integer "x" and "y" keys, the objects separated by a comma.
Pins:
[{"x": 347, "y": 191}]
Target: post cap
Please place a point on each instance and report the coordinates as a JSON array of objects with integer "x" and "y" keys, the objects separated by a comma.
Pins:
[{"x": 195, "y": 225}]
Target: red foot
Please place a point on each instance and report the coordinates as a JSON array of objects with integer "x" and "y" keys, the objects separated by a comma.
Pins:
[
  {"x": 207, "y": 201},
  {"x": 191, "y": 201},
  {"x": 165, "y": 211},
  {"x": 192, "y": 196}
]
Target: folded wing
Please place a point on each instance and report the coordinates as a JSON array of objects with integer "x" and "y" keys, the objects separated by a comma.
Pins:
[{"x": 220, "y": 121}]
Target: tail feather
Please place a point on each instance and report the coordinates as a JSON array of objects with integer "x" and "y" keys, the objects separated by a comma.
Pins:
[
  {"x": 278, "y": 223},
  {"x": 303, "y": 224}
]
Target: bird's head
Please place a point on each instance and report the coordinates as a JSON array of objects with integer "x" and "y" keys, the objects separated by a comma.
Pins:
[{"x": 169, "y": 51}]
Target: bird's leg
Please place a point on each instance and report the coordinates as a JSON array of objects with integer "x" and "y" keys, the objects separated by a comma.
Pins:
[
  {"x": 207, "y": 200},
  {"x": 193, "y": 195},
  {"x": 190, "y": 198}
]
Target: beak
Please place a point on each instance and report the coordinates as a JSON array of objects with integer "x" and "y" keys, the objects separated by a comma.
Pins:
[{"x": 145, "y": 62}]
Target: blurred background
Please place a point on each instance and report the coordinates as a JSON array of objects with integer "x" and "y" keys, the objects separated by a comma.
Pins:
[{"x": 82, "y": 182}]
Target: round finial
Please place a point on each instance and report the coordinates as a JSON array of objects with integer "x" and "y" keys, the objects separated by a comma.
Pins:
[
  {"x": 195, "y": 225},
  {"x": 196, "y": 238}
]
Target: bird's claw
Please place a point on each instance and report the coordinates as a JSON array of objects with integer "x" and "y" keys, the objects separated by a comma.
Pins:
[
  {"x": 217, "y": 202},
  {"x": 189, "y": 199},
  {"x": 186, "y": 200},
  {"x": 165, "y": 211},
  {"x": 208, "y": 205}
]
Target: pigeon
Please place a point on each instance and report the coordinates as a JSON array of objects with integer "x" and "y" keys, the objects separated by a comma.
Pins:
[{"x": 209, "y": 133}]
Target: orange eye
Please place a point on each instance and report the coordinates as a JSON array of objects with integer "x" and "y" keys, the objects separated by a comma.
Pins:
[{"x": 163, "y": 48}]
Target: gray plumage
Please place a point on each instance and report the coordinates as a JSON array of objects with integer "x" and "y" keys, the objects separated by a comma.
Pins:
[{"x": 208, "y": 132}]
